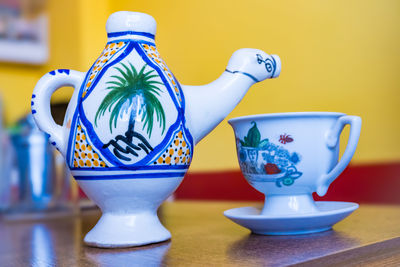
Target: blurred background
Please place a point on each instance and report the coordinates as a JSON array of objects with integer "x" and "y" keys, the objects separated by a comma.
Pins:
[{"x": 339, "y": 56}]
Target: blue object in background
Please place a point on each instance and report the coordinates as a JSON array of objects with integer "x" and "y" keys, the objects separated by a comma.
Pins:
[{"x": 35, "y": 166}]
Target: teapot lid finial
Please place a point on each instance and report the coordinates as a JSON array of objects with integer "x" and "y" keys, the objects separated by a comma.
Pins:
[{"x": 124, "y": 21}]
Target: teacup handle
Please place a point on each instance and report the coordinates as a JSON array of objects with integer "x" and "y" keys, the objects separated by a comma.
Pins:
[
  {"x": 40, "y": 103},
  {"x": 332, "y": 139}
]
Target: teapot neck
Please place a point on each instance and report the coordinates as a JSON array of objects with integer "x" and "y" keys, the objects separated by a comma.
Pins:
[{"x": 130, "y": 35}]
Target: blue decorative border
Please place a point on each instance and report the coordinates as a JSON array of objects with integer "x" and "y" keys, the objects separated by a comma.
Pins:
[
  {"x": 53, "y": 72},
  {"x": 117, "y": 34},
  {"x": 135, "y": 168},
  {"x": 187, "y": 133},
  {"x": 132, "y": 176},
  {"x": 146, "y": 59},
  {"x": 132, "y": 40},
  {"x": 104, "y": 69}
]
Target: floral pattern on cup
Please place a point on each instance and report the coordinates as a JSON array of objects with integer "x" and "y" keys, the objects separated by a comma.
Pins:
[{"x": 264, "y": 161}]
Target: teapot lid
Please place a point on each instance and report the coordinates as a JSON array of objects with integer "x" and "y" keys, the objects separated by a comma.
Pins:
[{"x": 126, "y": 21}]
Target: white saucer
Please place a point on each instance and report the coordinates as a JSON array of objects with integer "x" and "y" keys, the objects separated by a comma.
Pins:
[{"x": 330, "y": 212}]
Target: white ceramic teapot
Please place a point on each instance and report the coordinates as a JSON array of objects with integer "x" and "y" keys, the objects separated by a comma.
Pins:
[{"x": 130, "y": 127}]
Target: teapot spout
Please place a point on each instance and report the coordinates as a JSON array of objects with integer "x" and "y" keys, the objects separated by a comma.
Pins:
[{"x": 208, "y": 105}]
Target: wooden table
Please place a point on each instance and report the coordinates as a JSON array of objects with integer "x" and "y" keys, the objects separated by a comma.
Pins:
[{"x": 201, "y": 235}]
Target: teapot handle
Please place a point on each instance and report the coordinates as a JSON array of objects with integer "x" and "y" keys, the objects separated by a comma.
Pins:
[
  {"x": 332, "y": 140},
  {"x": 40, "y": 103}
]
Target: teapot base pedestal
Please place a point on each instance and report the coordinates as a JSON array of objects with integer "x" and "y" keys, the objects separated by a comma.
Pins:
[
  {"x": 127, "y": 230},
  {"x": 129, "y": 209}
]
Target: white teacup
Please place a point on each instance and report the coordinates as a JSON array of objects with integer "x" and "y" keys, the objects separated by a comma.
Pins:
[{"x": 288, "y": 156}]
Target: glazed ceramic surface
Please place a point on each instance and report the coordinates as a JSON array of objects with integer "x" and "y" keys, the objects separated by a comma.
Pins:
[
  {"x": 130, "y": 128},
  {"x": 289, "y": 156},
  {"x": 329, "y": 213}
]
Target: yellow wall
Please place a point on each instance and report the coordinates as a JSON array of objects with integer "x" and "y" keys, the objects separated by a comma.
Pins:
[
  {"x": 17, "y": 81},
  {"x": 336, "y": 55}
]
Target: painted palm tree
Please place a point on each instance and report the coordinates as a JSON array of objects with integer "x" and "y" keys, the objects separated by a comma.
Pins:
[{"x": 135, "y": 93}]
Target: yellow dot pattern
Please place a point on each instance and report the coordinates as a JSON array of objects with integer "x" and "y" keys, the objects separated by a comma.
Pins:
[
  {"x": 110, "y": 49},
  {"x": 177, "y": 153},
  {"x": 152, "y": 52},
  {"x": 84, "y": 156}
]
